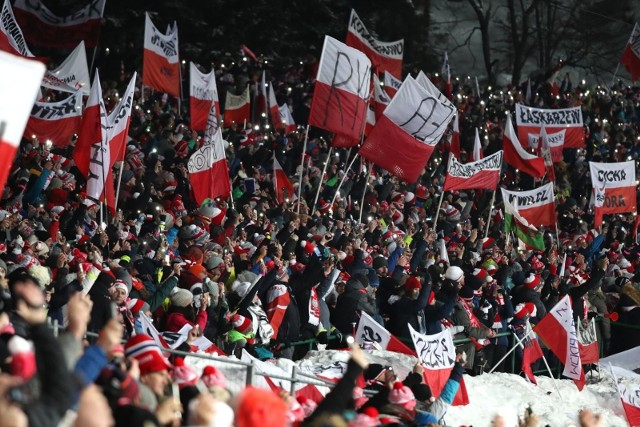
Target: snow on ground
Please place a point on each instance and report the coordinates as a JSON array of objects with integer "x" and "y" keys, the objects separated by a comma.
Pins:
[{"x": 489, "y": 394}]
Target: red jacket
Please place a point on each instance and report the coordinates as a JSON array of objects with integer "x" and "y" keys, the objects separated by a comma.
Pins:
[{"x": 175, "y": 321}]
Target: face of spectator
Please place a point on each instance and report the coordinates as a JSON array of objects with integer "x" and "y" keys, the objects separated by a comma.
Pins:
[
  {"x": 156, "y": 381},
  {"x": 93, "y": 409},
  {"x": 118, "y": 295}
]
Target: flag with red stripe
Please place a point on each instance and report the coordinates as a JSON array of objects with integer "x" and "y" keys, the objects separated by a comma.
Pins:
[
  {"x": 55, "y": 121},
  {"x": 537, "y": 206},
  {"x": 530, "y": 120},
  {"x": 614, "y": 188},
  {"x": 202, "y": 92},
  {"x": 481, "y": 174},
  {"x": 517, "y": 157},
  {"x": 161, "y": 60},
  {"x": 237, "y": 108},
  {"x": 631, "y": 56}
]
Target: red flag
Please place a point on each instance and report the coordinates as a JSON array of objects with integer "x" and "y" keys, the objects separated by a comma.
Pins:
[
  {"x": 11, "y": 38},
  {"x": 517, "y": 157},
  {"x": 531, "y": 352},
  {"x": 237, "y": 108},
  {"x": 16, "y": 101},
  {"x": 284, "y": 189},
  {"x": 384, "y": 56},
  {"x": 202, "y": 92},
  {"x": 406, "y": 133},
  {"x": 91, "y": 132},
  {"x": 482, "y": 174},
  {"x": 56, "y": 121},
  {"x": 249, "y": 52},
  {"x": 558, "y": 332},
  {"x": 208, "y": 168},
  {"x": 455, "y": 138},
  {"x": 341, "y": 90},
  {"x": 477, "y": 148},
  {"x": 631, "y": 56},
  {"x": 391, "y": 84},
  {"x": 44, "y": 28},
  {"x": 537, "y": 206},
  {"x": 274, "y": 111},
  {"x": 161, "y": 62},
  {"x": 530, "y": 120},
  {"x": 614, "y": 187},
  {"x": 278, "y": 300}
]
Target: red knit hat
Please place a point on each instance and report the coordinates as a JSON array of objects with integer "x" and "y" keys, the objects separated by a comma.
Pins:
[
  {"x": 532, "y": 281},
  {"x": 481, "y": 274},
  {"x": 211, "y": 377},
  {"x": 145, "y": 350},
  {"x": 403, "y": 396},
  {"x": 241, "y": 324},
  {"x": 524, "y": 309},
  {"x": 412, "y": 283},
  {"x": 262, "y": 408}
]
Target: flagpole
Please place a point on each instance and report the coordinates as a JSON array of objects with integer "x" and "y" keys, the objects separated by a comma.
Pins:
[
  {"x": 364, "y": 192},
  {"x": 304, "y": 150},
  {"x": 519, "y": 342},
  {"x": 613, "y": 79},
  {"x": 324, "y": 170},
  {"x": 493, "y": 199},
  {"x": 93, "y": 59},
  {"x": 343, "y": 178},
  {"x": 544, "y": 359},
  {"x": 118, "y": 186},
  {"x": 435, "y": 220}
]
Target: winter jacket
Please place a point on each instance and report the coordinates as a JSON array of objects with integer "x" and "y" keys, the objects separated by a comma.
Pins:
[
  {"x": 175, "y": 321},
  {"x": 521, "y": 294},
  {"x": 351, "y": 303},
  {"x": 405, "y": 312},
  {"x": 158, "y": 293},
  {"x": 433, "y": 314}
]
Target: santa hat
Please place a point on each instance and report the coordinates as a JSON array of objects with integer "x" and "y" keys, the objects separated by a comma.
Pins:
[
  {"x": 532, "y": 281},
  {"x": 409, "y": 197},
  {"x": 421, "y": 191},
  {"x": 523, "y": 309},
  {"x": 324, "y": 206},
  {"x": 145, "y": 350},
  {"x": 454, "y": 273},
  {"x": 182, "y": 374},
  {"x": 136, "y": 305},
  {"x": 403, "y": 396},
  {"x": 121, "y": 284},
  {"x": 211, "y": 377},
  {"x": 482, "y": 275},
  {"x": 487, "y": 243},
  {"x": 241, "y": 324}
]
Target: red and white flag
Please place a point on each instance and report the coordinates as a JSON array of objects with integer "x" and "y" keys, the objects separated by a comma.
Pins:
[
  {"x": 342, "y": 90},
  {"x": 558, "y": 332},
  {"x": 260, "y": 99},
  {"x": 531, "y": 352},
  {"x": 588, "y": 341},
  {"x": 44, "y": 28},
  {"x": 274, "y": 110},
  {"x": 544, "y": 151},
  {"x": 444, "y": 255},
  {"x": 380, "y": 98},
  {"x": 477, "y": 148},
  {"x": 287, "y": 119},
  {"x": 629, "y": 392},
  {"x": 537, "y": 206},
  {"x": 237, "y": 108},
  {"x": 438, "y": 355},
  {"x": 454, "y": 145},
  {"x": 11, "y": 38},
  {"x": 208, "y": 167},
  {"x": 92, "y": 145},
  {"x": 16, "y": 102},
  {"x": 72, "y": 75},
  {"x": 555, "y": 142},
  {"x": 391, "y": 84},
  {"x": 284, "y": 189},
  {"x": 55, "y": 121},
  {"x": 517, "y": 157},
  {"x": 631, "y": 56},
  {"x": 384, "y": 56},
  {"x": 407, "y": 132},
  {"x": 278, "y": 300},
  {"x": 481, "y": 174},
  {"x": 106, "y": 152},
  {"x": 161, "y": 62},
  {"x": 202, "y": 92},
  {"x": 371, "y": 331},
  {"x": 530, "y": 120},
  {"x": 249, "y": 52},
  {"x": 614, "y": 188}
]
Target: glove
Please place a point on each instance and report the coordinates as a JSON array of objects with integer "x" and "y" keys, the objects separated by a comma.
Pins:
[
  {"x": 322, "y": 337},
  {"x": 336, "y": 333},
  {"x": 456, "y": 329}
]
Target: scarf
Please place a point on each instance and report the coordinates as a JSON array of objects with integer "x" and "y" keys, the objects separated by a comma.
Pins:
[
  {"x": 314, "y": 308},
  {"x": 473, "y": 320}
]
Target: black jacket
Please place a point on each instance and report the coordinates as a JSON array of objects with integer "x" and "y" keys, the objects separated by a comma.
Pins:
[
  {"x": 353, "y": 301},
  {"x": 406, "y": 311}
]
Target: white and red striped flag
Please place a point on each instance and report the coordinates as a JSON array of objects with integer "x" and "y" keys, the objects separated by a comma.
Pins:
[
  {"x": 391, "y": 84},
  {"x": 537, "y": 206},
  {"x": 454, "y": 144},
  {"x": 558, "y": 332},
  {"x": 342, "y": 90},
  {"x": 161, "y": 61},
  {"x": 517, "y": 157},
  {"x": 202, "y": 92},
  {"x": 278, "y": 300},
  {"x": 407, "y": 132},
  {"x": 371, "y": 331},
  {"x": 284, "y": 189},
  {"x": 380, "y": 98},
  {"x": 629, "y": 392},
  {"x": 208, "y": 167},
  {"x": 614, "y": 187},
  {"x": 11, "y": 38},
  {"x": 530, "y": 120},
  {"x": 287, "y": 119},
  {"x": 237, "y": 108},
  {"x": 16, "y": 101},
  {"x": 274, "y": 110},
  {"x": 384, "y": 56},
  {"x": 531, "y": 352},
  {"x": 55, "y": 121},
  {"x": 477, "y": 148},
  {"x": 481, "y": 174},
  {"x": 43, "y": 28},
  {"x": 555, "y": 142},
  {"x": 631, "y": 56},
  {"x": 544, "y": 151},
  {"x": 72, "y": 75}
]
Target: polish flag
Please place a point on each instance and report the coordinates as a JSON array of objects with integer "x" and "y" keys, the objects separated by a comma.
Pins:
[
  {"x": 100, "y": 183},
  {"x": 544, "y": 151},
  {"x": 274, "y": 110},
  {"x": 16, "y": 101},
  {"x": 72, "y": 75},
  {"x": 161, "y": 61},
  {"x": 537, "y": 206},
  {"x": 284, "y": 189},
  {"x": 380, "y": 98},
  {"x": 631, "y": 56},
  {"x": 455, "y": 138},
  {"x": 407, "y": 132},
  {"x": 558, "y": 332},
  {"x": 391, "y": 84},
  {"x": 517, "y": 157},
  {"x": 341, "y": 90},
  {"x": 371, "y": 331},
  {"x": 44, "y": 28},
  {"x": 278, "y": 300},
  {"x": 202, "y": 92},
  {"x": 530, "y": 121},
  {"x": 237, "y": 108},
  {"x": 55, "y": 121},
  {"x": 91, "y": 145},
  {"x": 629, "y": 395},
  {"x": 483, "y": 174},
  {"x": 287, "y": 119},
  {"x": 614, "y": 187},
  {"x": 477, "y": 148},
  {"x": 531, "y": 352},
  {"x": 554, "y": 141},
  {"x": 11, "y": 38},
  {"x": 208, "y": 167}
]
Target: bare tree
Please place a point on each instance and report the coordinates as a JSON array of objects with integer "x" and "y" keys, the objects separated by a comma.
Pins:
[
  {"x": 520, "y": 16},
  {"x": 484, "y": 19}
]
